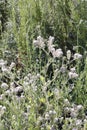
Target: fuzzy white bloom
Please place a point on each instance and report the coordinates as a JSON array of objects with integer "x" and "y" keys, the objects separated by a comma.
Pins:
[
  {"x": 2, "y": 96},
  {"x": 5, "y": 69},
  {"x": 28, "y": 108},
  {"x": 63, "y": 69},
  {"x": 73, "y": 113},
  {"x": 66, "y": 109},
  {"x": 66, "y": 102},
  {"x": 4, "y": 86},
  {"x": 77, "y": 56},
  {"x": 2, "y": 110},
  {"x": 40, "y": 119},
  {"x": 73, "y": 69},
  {"x": 25, "y": 84},
  {"x": 18, "y": 89},
  {"x": 2, "y": 63},
  {"x": 39, "y": 42},
  {"x": 85, "y": 121},
  {"x": 12, "y": 65},
  {"x": 51, "y": 48},
  {"x": 47, "y": 117},
  {"x": 29, "y": 75},
  {"x": 26, "y": 78},
  {"x": 68, "y": 54},
  {"x": 78, "y": 122},
  {"x": 52, "y": 112},
  {"x": 57, "y": 53},
  {"x": 51, "y": 40},
  {"x": 38, "y": 75},
  {"x": 50, "y": 44},
  {"x": 35, "y": 42},
  {"x": 31, "y": 81},
  {"x": 12, "y": 85},
  {"x": 79, "y": 107},
  {"x": 73, "y": 75},
  {"x": 55, "y": 120}
]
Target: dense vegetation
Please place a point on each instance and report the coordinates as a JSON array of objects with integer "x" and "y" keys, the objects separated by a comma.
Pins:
[{"x": 43, "y": 65}]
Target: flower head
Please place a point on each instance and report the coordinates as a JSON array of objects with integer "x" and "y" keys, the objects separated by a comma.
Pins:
[
  {"x": 51, "y": 48},
  {"x": 4, "y": 86},
  {"x": 51, "y": 40},
  {"x": 12, "y": 65},
  {"x": 57, "y": 53},
  {"x": 73, "y": 75},
  {"x": 73, "y": 69},
  {"x": 2, "y": 63},
  {"x": 39, "y": 43},
  {"x": 68, "y": 54},
  {"x": 77, "y": 56},
  {"x": 63, "y": 69},
  {"x": 5, "y": 69}
]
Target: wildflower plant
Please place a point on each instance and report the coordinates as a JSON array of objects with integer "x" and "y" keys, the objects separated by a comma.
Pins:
[{"x": 43, "y": 80}]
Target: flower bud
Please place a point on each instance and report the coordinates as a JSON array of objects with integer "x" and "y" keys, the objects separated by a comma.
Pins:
[{"x": 68, "y": 54}]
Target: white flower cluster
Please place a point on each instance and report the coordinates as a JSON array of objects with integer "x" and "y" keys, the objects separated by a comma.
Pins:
[
  {"x": 30, "y": 82},
  {"x": 2, "y": 63},
  {"x": 16, "y": 90},
  {"x": 39, "y": 43},
  {"x": 74, "y": 110},
  {"x": 12, "y": 65},
  {"x": 50, "y": 44},
  {"x": 77, "y": 56},
  {"x": 4, "y": 86},
  {"x": 57, "y": 53},
  {"x": 72, "y": 74},
  {"x": 49, "y": 114},
  {"x": 5, "y": 68},
  {"x": 2, "y": 110}
]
